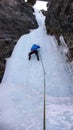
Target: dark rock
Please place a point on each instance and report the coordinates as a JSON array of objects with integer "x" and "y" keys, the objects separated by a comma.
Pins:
[
  {"x": 31, "y": 2},
  {"x": 2, "y": 67},
  {"x": 70, "y": 54},
  {"x": 16, "y": 19},
  {"x": 59, "y": 19},
  {"x": 44, "y": 12}
]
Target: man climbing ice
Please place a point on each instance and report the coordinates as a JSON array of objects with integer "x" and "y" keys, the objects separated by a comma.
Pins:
[{"x": 34, "y": 50}]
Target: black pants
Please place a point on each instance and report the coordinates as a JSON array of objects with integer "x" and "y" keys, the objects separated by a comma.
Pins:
[{"x": 34, "y": 52}]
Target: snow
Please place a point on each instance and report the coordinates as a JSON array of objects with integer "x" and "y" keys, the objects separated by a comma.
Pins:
[
  {"x": 40, "y": 5},
  {"x": 22, "y": 87}
]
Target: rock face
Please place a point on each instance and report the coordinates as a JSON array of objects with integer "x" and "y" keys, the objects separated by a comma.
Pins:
[
  {"x": 59, "y": 21},
  {"x": 31, "y": 2},
  {"x": 16, "y": 19}
]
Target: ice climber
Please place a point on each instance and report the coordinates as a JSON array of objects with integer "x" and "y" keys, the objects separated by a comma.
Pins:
[{"x": 34, "y": 50}]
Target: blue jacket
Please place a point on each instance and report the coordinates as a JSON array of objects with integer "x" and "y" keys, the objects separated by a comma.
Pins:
[{"x": 35, "y": 47}]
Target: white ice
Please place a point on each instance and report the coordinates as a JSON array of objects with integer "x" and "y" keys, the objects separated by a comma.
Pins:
[{"x": 22, "y": 87}]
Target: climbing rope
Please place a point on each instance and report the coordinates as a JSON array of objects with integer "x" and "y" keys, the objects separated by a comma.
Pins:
[{"x": 44, "y": 113}]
